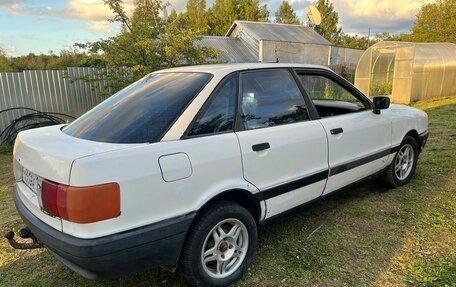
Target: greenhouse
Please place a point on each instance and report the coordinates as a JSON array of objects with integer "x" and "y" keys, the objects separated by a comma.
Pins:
[{"x": 407, "y": 72}]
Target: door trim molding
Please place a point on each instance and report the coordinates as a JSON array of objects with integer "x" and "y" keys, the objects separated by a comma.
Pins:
[
  {"x": 292, "y": 185},
  {"x": 350, "y": 165},
  {"x": 319, "y": 176}
]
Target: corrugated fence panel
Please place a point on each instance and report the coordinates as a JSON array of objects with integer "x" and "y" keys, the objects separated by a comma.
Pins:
[{"x": 61, "y": 91}]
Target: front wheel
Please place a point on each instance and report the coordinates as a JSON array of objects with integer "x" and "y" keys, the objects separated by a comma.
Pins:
[
  {"x": 403, "y": 166},
  {"x": 220, "y": 245}
]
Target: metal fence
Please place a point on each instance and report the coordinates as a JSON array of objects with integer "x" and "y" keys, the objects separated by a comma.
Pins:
[{"x": 61, "y": 91}]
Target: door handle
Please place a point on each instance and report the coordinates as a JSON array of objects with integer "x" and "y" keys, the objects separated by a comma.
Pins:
[
  {"x": 261, "y": 146},
  {"x": 337, "y": 131}
]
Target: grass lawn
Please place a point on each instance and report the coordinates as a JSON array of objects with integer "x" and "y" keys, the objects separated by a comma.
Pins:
[{"x": 367, "y": 236}]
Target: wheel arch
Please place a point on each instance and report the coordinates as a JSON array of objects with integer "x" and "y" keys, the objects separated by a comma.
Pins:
[
  {"x": 414, "y": 134},
  {"x": 242, "y": 197}
]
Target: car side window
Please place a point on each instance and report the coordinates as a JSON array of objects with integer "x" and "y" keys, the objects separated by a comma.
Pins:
[
  {"x": 330, "y": 98},
  {"x": 218, "y": 114},
  {"x": 271, "y": 98}
]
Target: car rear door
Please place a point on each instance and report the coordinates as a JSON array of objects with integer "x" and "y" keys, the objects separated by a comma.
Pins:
[
  {"x": 359, "y": 140},
  {"x": 284, "y": 151}
]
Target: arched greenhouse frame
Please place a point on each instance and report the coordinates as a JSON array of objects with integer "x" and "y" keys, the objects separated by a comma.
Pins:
[{"x": 407, "y": 72}]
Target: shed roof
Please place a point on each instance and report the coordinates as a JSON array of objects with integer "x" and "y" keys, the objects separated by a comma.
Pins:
[
  {"x": 232, "y": 50},
  {"x": 279, "y": 32}
]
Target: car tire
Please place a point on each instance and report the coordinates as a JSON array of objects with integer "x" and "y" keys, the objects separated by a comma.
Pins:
[
  {"x": 403, "y": 166},
  {"x": 220, "y": 245}
]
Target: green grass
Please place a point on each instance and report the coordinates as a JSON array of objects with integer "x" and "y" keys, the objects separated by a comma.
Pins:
[
  {"x": 367, "y": 236},
  {"x": 4, "y": 149}
]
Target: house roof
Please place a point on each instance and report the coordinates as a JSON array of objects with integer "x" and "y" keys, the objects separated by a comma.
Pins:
[
  {"x": 279, "y": 32},
  {"x": 231, "y": 49}
]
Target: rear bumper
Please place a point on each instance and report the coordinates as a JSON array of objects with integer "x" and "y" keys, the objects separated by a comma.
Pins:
[{"x": 138, "y": 249}]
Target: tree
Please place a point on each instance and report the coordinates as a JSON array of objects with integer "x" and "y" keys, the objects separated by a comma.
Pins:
[
  {"x": 436, "y": 22},
  {"x": 286, "y": 14},
  {"x": 385, "y": 36},
  {"x": 250, "y": 10},
  {"x": 146, "y": 43},
  {"x": 354, "y": 42},
  {"x": 330, "y": 20},
  {"x": 223, "y": 13},
  {"x": 5, "y": 65},
  {"x": 197, "y": 15},
  {"x": 51, "y": 61}
]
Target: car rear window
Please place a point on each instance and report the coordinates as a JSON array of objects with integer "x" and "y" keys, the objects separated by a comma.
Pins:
[{"x": 142, "y": 112}]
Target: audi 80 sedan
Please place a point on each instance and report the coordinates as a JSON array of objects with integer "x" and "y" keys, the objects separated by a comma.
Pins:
[{"x": 181, "y": 167}]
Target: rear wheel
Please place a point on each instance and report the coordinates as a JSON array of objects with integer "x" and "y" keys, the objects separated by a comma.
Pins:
[
  {"x": 220, "y": 245},
  {"x": 403, "y": 166}
]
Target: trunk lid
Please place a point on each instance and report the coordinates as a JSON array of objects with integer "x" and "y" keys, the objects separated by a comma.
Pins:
[{"x": 49, "y": 153}]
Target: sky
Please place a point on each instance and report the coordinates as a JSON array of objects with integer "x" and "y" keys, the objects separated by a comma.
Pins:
[{"x": 40, "y": 26}]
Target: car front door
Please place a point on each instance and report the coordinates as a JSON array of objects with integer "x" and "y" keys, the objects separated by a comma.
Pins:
[
  {"x": 284, "y": 151},
  {"x": 359, "y": 140}
]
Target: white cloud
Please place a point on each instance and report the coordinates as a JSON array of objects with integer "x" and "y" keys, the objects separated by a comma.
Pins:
[
  {"x": 8, "y": 49},
  {"x": 11, "y": 49},
  {"x": 104, "y": 26},
  {"x": 394, "y": 10},
  {"x": 179, "y": 5},
  {"x": 94, "y": 12},
  {"x": 99, "y": 25},
  {"x": 358, "y": 15}
]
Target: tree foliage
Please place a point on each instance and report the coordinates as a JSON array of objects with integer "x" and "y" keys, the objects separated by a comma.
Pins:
[
  {"x": 329, "y": 25},
  {"x": 362, "y": 42},
  {"x": 436, "y": 22},
  {"x": 197, "y": 15},
  {"x": 4, "y": 62},
  {"x": 224, "y": 12},
  {"x": 147, "y": 42},
  {"x": 51, "y": 61},
  {"x": 353, "y": 41},
  {"x": 286, "y": 14}
]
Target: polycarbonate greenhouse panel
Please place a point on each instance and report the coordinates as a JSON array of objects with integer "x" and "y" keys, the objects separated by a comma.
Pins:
[{"x": 408, "y": 72}]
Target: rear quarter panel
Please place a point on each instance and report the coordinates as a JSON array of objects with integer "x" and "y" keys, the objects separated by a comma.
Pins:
[{"x": 145, "y": 196}]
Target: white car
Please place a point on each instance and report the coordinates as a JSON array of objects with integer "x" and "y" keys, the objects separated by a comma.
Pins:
[{"x": 184, "y": 165}]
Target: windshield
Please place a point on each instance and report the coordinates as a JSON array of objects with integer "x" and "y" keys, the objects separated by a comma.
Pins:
[{"x": 142, "y": 112}]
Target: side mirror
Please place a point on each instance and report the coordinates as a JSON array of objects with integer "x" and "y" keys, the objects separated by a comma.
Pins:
[{"x": 380, "y": 103}]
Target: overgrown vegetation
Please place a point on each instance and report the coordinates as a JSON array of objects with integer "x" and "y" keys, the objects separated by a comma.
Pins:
[
  {"x": 367, "y": 236},
  {"x": 384, "y": 88}
]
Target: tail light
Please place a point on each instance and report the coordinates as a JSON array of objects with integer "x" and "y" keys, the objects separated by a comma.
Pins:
[{"x": 80, "y": 204}]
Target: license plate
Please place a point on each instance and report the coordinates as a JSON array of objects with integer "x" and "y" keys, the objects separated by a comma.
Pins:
[{"x": 32, "y": 180}]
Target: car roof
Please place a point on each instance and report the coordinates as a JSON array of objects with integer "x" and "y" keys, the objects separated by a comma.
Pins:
[{"x": 223, "y": 69}]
